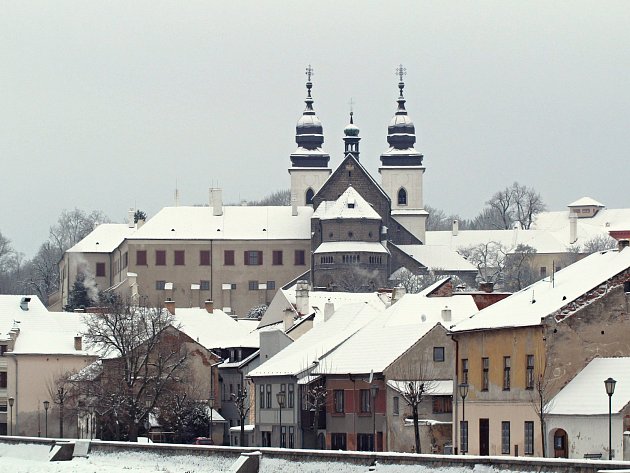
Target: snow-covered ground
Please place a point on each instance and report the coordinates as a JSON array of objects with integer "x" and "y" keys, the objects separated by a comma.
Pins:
[{"x": 34, "y": 459}]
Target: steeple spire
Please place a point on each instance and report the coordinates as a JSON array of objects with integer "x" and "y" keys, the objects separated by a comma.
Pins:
[
  {"x": 309, "y": 133},
  {"x": 351, "y": 135}
]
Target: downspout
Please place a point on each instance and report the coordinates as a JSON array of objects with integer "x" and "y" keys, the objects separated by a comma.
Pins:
[
  {"x": 455, "y": 389},
  {"x": 211, "y": 272}
]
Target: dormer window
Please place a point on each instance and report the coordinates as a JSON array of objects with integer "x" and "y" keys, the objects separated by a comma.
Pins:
[{"x": 351, "y": 203}]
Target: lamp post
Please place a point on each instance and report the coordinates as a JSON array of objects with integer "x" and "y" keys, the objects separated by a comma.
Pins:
[
  {"x": 374, "y": 392},
  {"x": 211, "y": 405},
  {"x": 610, "y": 390},
  {"x": 11, "y": 401},
  {"x": 281, "y": 398},
  {"x": 46, "y": 406},
  {"x": 463, "y": 392}
]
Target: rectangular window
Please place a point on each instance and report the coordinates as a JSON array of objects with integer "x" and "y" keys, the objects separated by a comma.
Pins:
[
  {"x": 300, "y": 259},
  {"x": 125, "y": 259},
  {"x": 271, "y": 284},
  {"x": 365, "y": 400},
  {"x": 505, "y": 437},
  {"x": 442, "y": 404},
  {"x": 543, "y": 271},
  {"x": 338, "y": 401},
  {"x": 396, "y": 406},
  {"x": 204, "y": 258},
  {"x": 283, "y": 436},
  {"x": 365, "y": 442},
  {"x": 529, "y": 437},
  {"x": 3, "y": 379},
  {"x": 179, "y": 258},
  {"x": 268, "y": 396},
  {"x": 204, "y": 285},
  {"x": 3, "y": 408},
  {"x": 3, "y": 428},
  {"x": 463, "y": 431},
  {"x": 100, "y": 270},
  {"x": 141, "y": 258},
  {"x": 338, "y": 441},
  {"x": 253, "y": 258},
  {"x": 277, "y": 258},
  {"x": 3, "y": 349},
  {"x": 261, "y": 395},
  {"x": 438, "y": 354},
  {"x": 465, "y": 370},
  {"x": 228, "y": 258},
  {"x": 290, "y": 395},
  {"x": 253, "y": 285},
  {"x": 266, "y": 439},
  {"x": 507, "y": 362},
  {"x": 160, "y": 257},
  {"x": 291, "y": 437},
  {"x": 159, "y": 285},
  {"x": 529, "y": 372},
  {"x": 485, "y": 364}
]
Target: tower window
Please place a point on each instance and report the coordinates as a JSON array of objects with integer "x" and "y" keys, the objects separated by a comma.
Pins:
[
  {"x": 402, "y": 196},
  {"x": 309, "y": 196}
]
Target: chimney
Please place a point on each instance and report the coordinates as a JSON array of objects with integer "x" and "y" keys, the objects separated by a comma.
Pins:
[
  {"x": 572, "y": 228},
  {"x": 398, "y": 293},
  {"x": 24, "y": 303},
  {"x": 486, "y": 286},
  {"x": 301, "y": 297},
  {"x": 170, "y": 306},
  {"x": 446, "y": 314},
  {"x": 621, "y": 244},
  {"x": 383, "y": 234},
  {"x": 287, "y": 319},
  {"x": 140, "y": 223},
  {"x": 455, "y": 227},
  {"x": 209, "y": 306},
  {"x": 78, "y": 343},
  {"x": 130, "y": 219},
  {"x": 329, "y": 310},
  {"x": 294, "y": 210},
  {"x": 216, "y": 201}
]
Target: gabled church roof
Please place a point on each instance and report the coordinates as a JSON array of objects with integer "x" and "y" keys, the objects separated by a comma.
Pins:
[{"x": 349, "y": 205}]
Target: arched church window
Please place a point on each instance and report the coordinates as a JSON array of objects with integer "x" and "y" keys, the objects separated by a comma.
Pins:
[
  {"x": 309, "y": 196},
  {"x": 402, "y": 196}
]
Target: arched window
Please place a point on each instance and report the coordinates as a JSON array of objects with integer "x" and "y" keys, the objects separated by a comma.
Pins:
[
  {"x": 309, "y": 196},
  {"x": 402, "y": 196}
]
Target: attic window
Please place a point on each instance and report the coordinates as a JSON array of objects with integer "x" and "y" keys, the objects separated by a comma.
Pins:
[{"x": 350, "y": 205}]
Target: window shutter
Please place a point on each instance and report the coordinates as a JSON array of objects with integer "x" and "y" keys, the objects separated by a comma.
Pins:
[
  {"x": 260, "y": 257},
  {"x": 245, "y": 258}
]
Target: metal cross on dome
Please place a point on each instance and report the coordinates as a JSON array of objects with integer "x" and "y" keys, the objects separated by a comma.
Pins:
[
  {"x": 401, "y": 72},
  {"x": 351, "y": 103},
  {"x": 309, "y": 72}
]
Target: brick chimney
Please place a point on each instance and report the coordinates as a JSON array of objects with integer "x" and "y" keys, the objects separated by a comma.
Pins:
[
  {"x": 486, "y": 286},
  {"x": 170, "y": 306},
  {"x": 209, "y": 306},
  {"x": 623, "y": 243}
]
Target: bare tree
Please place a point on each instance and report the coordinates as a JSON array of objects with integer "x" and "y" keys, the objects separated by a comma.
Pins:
[
  {"x": 61, "y": 392},
  {"x": 242, "y": 403},
  {"x": 415, "y": 283},
  {"x": 144, "y": 355},
  {"x": 527, "y": 203},
  {"x": 501, "y": 205},
  {"x": 74, "y": 225},
  {"x": 489, "y": 258},
  {"x": 541, "y": 386},
  {"x": 518, "y": 268},
  {"x": 282, "y": 197}
]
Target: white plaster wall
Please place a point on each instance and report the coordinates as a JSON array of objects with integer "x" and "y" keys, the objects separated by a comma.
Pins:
[
  {"x": 409, "y": 177},
  {"x": 303, "y": 178},
  {"x": 587, "y": 434}
]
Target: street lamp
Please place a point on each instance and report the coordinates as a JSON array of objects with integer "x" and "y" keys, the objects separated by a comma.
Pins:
[
  {"x": 610, "y": 390},
  {"x": 281, "y": 397},
  {"x": 46, "y": 406},
  {"x": 11, "y": 401},
  {"x": 374, "y": 392},
  {"x": 463, "y": 392},
  {"x": 211, "y": 405}
]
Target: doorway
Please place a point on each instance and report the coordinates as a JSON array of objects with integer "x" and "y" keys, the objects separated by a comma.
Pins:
[
  {"x": 484, "y": 437},
  {"x": 560, "y": 449}
]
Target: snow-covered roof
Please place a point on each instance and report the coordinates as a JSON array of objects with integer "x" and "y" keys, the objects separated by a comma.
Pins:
[
  {"x": 351, "y": 246},
  {"x": 318, "y": 341},
  {"x": 246, "y": 428},
  {"x": 103, "y": 239},
  {"x": 11, "y": 314},
  {"x": 216, "y": 330},
  {"x": 438, "y": 387},
  {"x": 236, "y": 223},
  {"x": 543, "y": 241},
  {"x": 586, "y": 202},
  {"x": 383, "y": 340},
  {"x": 605, "y": 220},
  {"x": 586, "y": 394},
  {"x": 438, "y": 257},
  {"x": 530, "y": 305},
  {"x": 349, "y": 205}
]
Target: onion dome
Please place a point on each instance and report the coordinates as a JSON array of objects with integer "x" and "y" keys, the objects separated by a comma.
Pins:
[
  {"x": 351, "y": 138},
  {"x": 351, "y": 129},
  {"x": 401, "y": 133},
  {"x": 309, "y": 134}
]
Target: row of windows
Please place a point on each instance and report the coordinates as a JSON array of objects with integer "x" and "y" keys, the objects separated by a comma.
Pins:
[
  {"x": 348, "y": 259},
  {"x": 250, "y": 258},
  {"x": 266, "y": 437},
  {"x": 339, "y": 401},
  {"x": 507, "y": 372},
  {"x": 205, "y": 285},
  {"x": 266, "y": 400},
  {"x": 505, "y": 437},
  {"x": 255, "y": 285}
]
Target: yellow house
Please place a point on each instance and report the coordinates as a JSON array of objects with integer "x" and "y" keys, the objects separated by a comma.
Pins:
[{"x": 515, "y": 355}]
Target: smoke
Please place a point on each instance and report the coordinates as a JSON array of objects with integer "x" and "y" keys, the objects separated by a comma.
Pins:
[{"x": 84, "y": 269}]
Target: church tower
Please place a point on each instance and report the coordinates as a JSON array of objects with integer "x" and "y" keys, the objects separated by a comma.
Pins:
[
  {"x": 309, "y": 164},
  {"x": 401, "y": 169}
]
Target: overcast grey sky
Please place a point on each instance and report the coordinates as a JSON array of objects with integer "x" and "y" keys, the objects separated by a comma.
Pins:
[{"x": 104, "y": 105}]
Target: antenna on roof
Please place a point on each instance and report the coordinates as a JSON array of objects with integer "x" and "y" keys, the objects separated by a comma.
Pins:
[{"x": 176, "y": 194}]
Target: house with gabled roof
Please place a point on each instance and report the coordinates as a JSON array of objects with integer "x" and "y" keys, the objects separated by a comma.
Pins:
[{"x": 518, "y": 353}]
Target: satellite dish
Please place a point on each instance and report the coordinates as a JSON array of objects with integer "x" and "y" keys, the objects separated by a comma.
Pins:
[{"x": 371, "y": 376}]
